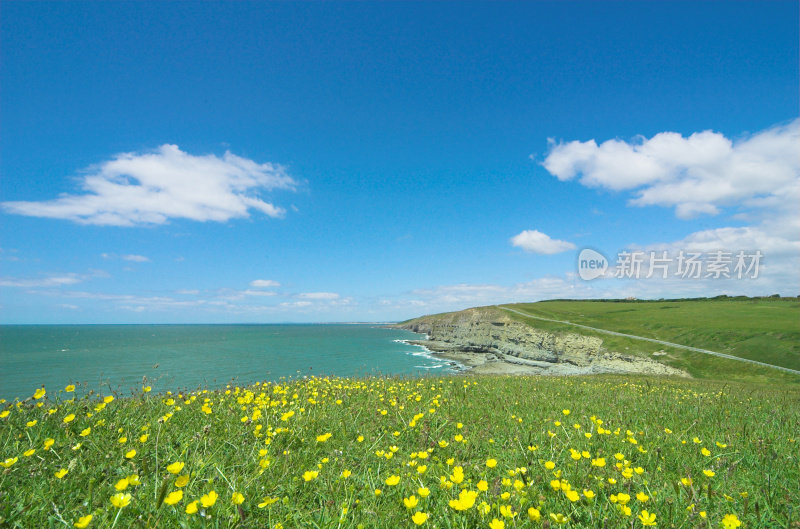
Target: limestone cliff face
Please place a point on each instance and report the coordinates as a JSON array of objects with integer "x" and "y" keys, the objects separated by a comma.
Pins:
[{"x": 492, "y": 332}]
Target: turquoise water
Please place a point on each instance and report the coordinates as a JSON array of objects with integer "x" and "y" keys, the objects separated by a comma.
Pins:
[{"x": 191, "y": 356}]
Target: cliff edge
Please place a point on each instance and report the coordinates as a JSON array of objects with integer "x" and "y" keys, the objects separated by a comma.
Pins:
[{"x": 488, "y": 341}]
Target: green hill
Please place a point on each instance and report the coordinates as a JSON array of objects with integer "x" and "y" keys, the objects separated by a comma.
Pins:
[{"x": 762, "y": 329}]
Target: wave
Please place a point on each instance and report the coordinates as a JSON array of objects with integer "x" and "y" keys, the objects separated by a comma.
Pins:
[{"x": 450, "y": 365}]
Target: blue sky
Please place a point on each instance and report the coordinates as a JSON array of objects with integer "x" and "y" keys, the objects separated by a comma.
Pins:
[{"x": 263, "y": 162}]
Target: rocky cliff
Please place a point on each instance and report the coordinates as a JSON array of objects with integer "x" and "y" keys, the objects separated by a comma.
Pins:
[{"x": 489, "y": 341}]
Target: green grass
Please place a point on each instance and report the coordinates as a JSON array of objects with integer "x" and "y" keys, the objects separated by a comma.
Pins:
[
  {"x": 248, "y": 444},
  {"x": 762, "y": 329}
]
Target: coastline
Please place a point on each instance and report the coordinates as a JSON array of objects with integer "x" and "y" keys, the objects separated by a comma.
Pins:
[
  {"x": 453, "y": 364},
  {"x": 471, "y": 362},
  {"x": 485, "y": 341}
]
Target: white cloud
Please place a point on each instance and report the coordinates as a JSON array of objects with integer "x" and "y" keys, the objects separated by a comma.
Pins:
[
  {"x": 136, "y": 258},
  {"x": 699, "y": 174},
  {"x": 758, "y": 177},
  {"x": 264, "y": 283},
  {"x": 258, "y": 293},
  {"x": 50, "y": 281},
  {"x": 129, "y": 257},
  {"x": 151, "y": 188},
  {"x": 296, "y": 304},
  {"x": 319, "y": 295},
  {"x": 538, "y": 242}
]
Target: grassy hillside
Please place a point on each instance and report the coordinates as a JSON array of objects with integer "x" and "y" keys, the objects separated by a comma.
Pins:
[
  {"x": 763, "y": 329},
  {"x": 453, "y": 452}
]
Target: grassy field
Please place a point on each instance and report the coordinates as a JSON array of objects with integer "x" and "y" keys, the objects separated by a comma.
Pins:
[
  {"x": 763, "y": 329},
  {"x": 452, "y": 452}
]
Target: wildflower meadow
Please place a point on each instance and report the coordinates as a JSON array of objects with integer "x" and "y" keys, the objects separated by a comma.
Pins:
[{"x": 449, "y": 452}]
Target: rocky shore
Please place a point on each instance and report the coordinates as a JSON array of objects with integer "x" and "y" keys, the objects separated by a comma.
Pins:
[{"x": 488, "y": 341}]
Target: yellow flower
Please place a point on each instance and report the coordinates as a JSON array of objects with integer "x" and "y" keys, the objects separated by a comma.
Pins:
[
  {"x": 61, "y": 473},
  {"x": 419, "y": 518},
  {"x": 687, "y": 482},
  {"x": 208, "y": 500},
  {"x": 392, "y": 480},
  {"x": 192, "y": 507},
  {"x": 423, "y": 492},
  {"x": 421, "y": 469},
  {"x": 174, "y": 497},
  {"x": 310, "y": 475},
  {"x": 121, "y": 484},
  {"x": 410, "y": 502},
  {"x": 86, "y": 431},
  {"x": 709, "y": 473},
  {"x": 731, "y": 521},
  {"x": 143, "y": 438},
  {"x": 378, "y": 492},
  {"x": 70, "y": 388},
  {"x": 182, "y": 481},
  {"x": 647, "y": 518},
  {"x": 549, "y": 465},
  {"x": 506, "y": 511},
  {"x": 458, "y": 475},
  {"x": 599, "y": 462},
  {"x": 69, "y": 418},
  {"x": 147, "y": 389},
  {"x": 565, "y": 412},
  {"x": 175, "y": 467},
  {"x": 705, "y": 451},
  {"x": 346, "y": 474},
  {"x": 324, "y": 437},
  {"x": 4, "y": 414},
  {"x": 572, "y": 495},
  {"x": 83, "y": 521},
  {"x": 483, "y": 486},
  {"x": 108, "y": 399},
  {"x": 8, "y": 462},
  {"x": 623, "y": 498},
  {"x": 491, "y": 463},
  {"x": 133, "y": 479},
  {"x": 29, "y": 453},
  {"x": 39, "y": 393},
  {"x": 130, "y": 454},
  {"x": 267, "y": 502},
  {"x": 120, "y": 500},
  {"x": 534, "y": 514},
  {"x": 496, "y": 524},
  {"x": 588, "y": 493},
  {"x": 642, "y": 497},
  {"x": 237, "y": 498},
  {"x": 465, "y": 501}
]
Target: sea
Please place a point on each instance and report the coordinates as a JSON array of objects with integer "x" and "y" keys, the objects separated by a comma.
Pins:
[{"x": 125, "y": 358}]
